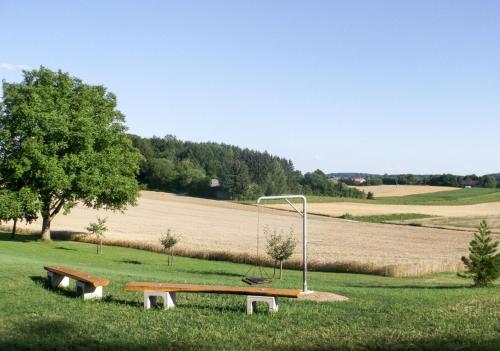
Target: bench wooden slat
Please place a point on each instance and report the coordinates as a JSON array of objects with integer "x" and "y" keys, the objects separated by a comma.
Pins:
[
  {"x": 220, "y": 289},
  {"x": 80, "y": 276}
]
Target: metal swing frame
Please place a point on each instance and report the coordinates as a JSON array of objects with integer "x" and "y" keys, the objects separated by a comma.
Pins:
[{"x": 303, "y": 213}]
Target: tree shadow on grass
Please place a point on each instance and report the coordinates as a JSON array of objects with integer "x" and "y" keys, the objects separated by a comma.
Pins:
[
  {"x": 59, "y": 334},
  {"x": 50, "y": 334},
  {"x": 20, "y": 237}
]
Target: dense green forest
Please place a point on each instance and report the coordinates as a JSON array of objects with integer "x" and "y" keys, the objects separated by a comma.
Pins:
[{"x": 224, "y": 171}]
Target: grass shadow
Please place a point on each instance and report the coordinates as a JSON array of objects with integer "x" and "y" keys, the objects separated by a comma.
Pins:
[
  {"x": 130, "y": 261},
  {"x": 112, "y": 299},
  {"x": 64, "y": 248},
  {"x": 210, "y": 307},
  {"x": 44, "y": 282},
  {"x": 201, "y": 272},
  {"x": 444, "y": 287}
]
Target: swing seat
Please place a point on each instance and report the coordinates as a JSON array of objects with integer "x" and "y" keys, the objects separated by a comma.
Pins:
[{"x": 256, "y": 280}]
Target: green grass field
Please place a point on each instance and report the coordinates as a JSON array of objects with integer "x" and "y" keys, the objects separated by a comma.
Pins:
[
  {"x": 395, "y": 217},
  {"x": 452, "y": 197},
  {"x": 436, "y": 312}
]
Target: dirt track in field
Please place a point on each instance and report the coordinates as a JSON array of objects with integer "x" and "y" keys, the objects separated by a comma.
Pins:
[
  {"x": 215, "y": 225},
  {"x": 402, "y": 190}
]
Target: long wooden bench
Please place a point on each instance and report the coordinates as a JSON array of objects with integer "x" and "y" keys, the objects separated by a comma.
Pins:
[
  {"x": 168, "y": 292},
  {"x": 87, "y": 285}
]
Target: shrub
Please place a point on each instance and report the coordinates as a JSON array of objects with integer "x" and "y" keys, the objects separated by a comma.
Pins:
[
  {"x": 347, "y": 216},
  {"x": 168, "y": 241},
  {"x": 370, "y": 196},
  {"x": 98, "y": 229},
  {"x": 483, "y": 263},
  {"x": 280, "y": 247}
]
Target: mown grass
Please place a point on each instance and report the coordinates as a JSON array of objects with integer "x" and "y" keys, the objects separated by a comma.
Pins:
[
  {"x": 395, "y": 217},
  {"x": 452, "y": 197},
  {"x": 435, "y": 312}
]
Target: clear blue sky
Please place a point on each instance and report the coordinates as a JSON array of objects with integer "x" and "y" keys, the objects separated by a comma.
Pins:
[{"x": 374, "y": 86}]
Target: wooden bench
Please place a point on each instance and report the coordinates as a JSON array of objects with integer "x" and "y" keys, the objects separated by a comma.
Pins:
[
  {"x": 168, "y": 292},
  {"x": 87, "y": 285}
]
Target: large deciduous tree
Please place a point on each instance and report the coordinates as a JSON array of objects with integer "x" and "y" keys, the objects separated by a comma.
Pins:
[{"x": 66, "y": 141}]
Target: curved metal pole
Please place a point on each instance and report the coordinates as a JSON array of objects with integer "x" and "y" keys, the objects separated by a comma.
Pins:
[{"x": 304, "y": 228}]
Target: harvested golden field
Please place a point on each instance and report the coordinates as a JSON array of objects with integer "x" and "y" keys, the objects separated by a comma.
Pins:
[
  {"x": 208, "y": 225},
  {"x": 402, "y": 190},
  {"x": 337, "y": 209}
]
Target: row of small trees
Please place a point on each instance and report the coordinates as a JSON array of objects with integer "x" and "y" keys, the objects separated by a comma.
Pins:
[
  {"x": 279, "y": 247},
  {"x": 482, "y": 263}
]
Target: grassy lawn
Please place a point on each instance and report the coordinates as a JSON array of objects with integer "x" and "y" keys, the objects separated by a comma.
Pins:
[
  {"x": 435, "y": 312},
  {"x": 452, "y": 197}
]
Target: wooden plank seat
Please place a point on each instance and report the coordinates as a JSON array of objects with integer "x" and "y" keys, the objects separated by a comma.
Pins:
[
  {"x": 168, "y": 292},
  {"x": 88, "y": 286}
]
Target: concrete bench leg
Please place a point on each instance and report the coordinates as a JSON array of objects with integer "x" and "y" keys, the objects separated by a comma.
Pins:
[
  {"x": 169, "y": 300},
  {"x": 57, "y": 281},
  {"x": 88, "y": 291},
  {"x": 150, "y": 299},
  {"x": 252, "y": 303}
]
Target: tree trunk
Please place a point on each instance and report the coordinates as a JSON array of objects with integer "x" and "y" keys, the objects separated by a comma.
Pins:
[
  {"x": 281, "y": 269},
  {"x": 14, "y": 226},
  {"x": 46, "y": 227}
]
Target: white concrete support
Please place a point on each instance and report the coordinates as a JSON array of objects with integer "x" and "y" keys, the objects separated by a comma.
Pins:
[
  {"x": 57, "y": 281},
  {"x": 150, "y": 299},
  {"x": 252, "y": 303},
  {"x": 88, "y": 291}
]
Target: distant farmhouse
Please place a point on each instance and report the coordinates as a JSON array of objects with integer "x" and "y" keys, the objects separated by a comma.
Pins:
[
  {"x": 358, "y": 181},
  {"x": 214, "y": 183},
  {"x": 469, "y": 183}
]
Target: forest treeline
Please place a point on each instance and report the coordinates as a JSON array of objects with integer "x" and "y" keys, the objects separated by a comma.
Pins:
[
  {"x": 486, "y": 181},
  {"x": 217, "y": 170}
]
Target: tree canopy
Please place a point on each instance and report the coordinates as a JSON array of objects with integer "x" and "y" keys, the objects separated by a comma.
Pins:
[{"x": 65, "y": 141}]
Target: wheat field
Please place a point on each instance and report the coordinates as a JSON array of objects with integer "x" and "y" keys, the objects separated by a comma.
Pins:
[
  {"x": 402, "y": 190},
  {"x": 216, "y": 226},
  {"x": 337, "y": 209}
]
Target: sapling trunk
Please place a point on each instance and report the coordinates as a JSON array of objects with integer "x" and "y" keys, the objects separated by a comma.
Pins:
[{"x": 281, "y": 269}]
